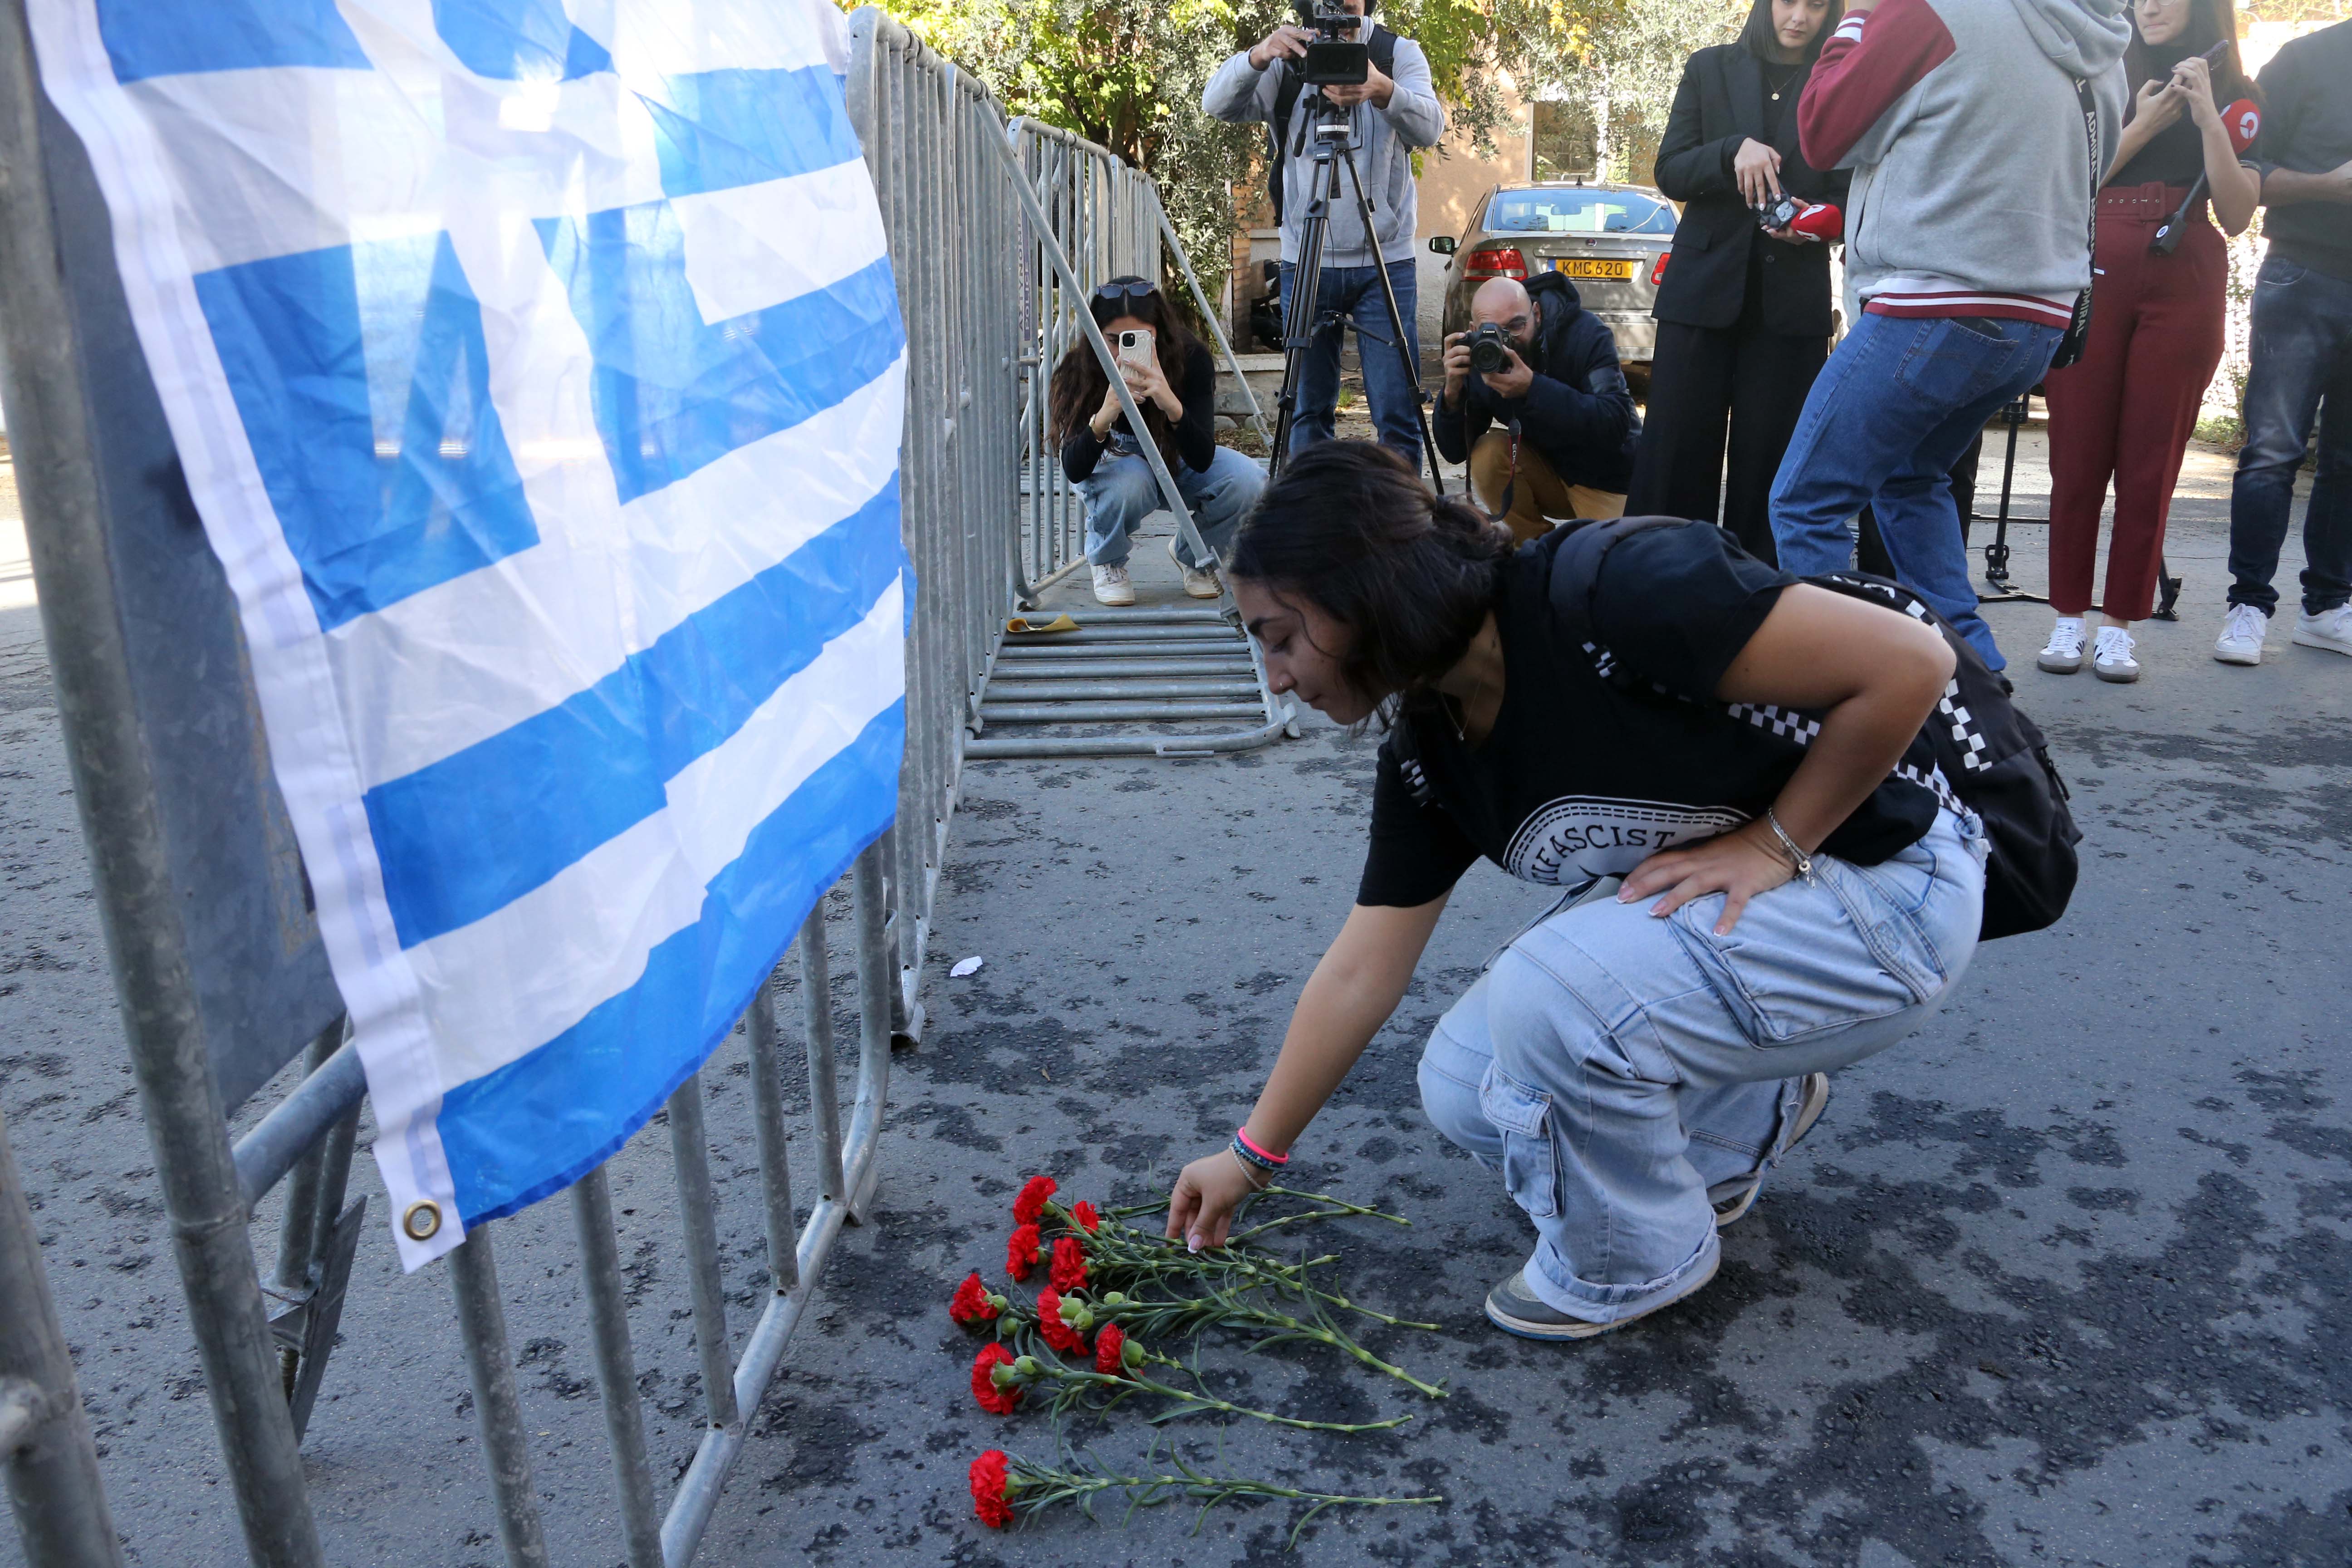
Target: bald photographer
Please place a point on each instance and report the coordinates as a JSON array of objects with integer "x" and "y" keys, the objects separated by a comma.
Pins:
[{"x": 1536, "y": 401}]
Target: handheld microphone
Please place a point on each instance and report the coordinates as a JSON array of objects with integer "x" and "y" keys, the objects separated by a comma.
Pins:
[
  {"x": 2245, "y": 124},
  {"x": 1821, "y": 220}
]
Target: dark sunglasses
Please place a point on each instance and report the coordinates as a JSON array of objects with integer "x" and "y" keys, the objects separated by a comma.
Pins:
[{"x": 1125, "y": 292}]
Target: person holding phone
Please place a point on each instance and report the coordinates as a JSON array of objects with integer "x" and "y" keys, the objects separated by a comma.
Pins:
[
  {"x": 1743, "y": 312},
  {"x": 2125, "y": 409},
  {"x": 1167, "y": 371}
]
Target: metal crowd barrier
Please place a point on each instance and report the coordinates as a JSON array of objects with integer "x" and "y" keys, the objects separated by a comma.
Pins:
[
  {"x": 1091, "y": 217},
  {"x": 996, "y": 240}
]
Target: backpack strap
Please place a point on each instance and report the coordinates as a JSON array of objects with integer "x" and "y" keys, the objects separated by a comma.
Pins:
[
  {"x": 1383, "y": 46},
  {"x": 1576, "y": 571}
]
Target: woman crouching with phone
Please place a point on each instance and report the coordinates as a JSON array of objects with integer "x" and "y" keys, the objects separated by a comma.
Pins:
[
  {"x": 1174, "y": 381},
  {"x": 1631, "y": 1066}
]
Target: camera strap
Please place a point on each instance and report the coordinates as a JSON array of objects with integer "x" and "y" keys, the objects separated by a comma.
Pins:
[{"x": 2078, "y": 330}]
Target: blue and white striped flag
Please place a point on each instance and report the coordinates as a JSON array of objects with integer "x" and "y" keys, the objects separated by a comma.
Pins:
[{"x": 537, "y": 369}]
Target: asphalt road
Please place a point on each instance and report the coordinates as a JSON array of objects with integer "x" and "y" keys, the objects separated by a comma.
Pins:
[{"x": 2061, "y": 1279}]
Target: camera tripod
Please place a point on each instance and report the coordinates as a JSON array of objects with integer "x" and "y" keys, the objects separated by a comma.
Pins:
[
  {"x": 2013, "y": 416},
  {"x": 1302, "y": 317}
]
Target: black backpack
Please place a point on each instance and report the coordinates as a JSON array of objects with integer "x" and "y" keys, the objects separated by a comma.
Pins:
[
  {"x": 1382, "y": 45},
  {"x": 1988, "y": 755}
]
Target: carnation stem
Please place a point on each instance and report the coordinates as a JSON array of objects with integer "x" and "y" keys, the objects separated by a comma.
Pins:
[
  {"x": 1035, "y": 1487},
  {"x": 1073, "y": 1381}
]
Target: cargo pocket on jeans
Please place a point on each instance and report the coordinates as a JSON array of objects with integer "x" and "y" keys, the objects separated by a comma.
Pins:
[{"x": 1530, "y": 1163}]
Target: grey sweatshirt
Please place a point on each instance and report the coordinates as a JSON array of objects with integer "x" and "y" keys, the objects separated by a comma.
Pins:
[
  {"x": 1384, "y": 140},
  {"x": 1971, "y": 166}
]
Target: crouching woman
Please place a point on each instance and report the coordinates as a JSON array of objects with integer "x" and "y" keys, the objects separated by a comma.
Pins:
[{"x": 1725, "y": 739}]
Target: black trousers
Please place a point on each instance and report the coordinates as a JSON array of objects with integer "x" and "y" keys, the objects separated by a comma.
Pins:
[{"x": 1702, "y": 379}]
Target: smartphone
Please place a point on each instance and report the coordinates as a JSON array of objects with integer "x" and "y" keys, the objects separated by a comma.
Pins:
[{"x": 1135, "y": 347}]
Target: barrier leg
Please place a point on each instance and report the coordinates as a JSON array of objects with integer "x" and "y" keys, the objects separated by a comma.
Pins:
[
  {"x": 616, "y": 1367},
  {"x": 506, "y": 1447}
]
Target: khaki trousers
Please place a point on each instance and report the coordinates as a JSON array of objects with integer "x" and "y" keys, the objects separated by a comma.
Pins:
[{"x": 1538, "y": 495}]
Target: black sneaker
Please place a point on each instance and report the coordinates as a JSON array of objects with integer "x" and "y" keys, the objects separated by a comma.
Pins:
[
  {"x": 1732, "y": 1200},
  {"x": 1516, "y": 1310}
]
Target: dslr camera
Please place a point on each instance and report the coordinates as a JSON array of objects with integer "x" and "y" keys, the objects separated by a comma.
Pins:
[
  {"x": 1490, "y": 348},
  {"x": 1334, "y": 58}
]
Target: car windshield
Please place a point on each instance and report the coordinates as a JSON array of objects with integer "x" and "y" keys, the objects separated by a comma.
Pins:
[{"x": 1576, "y": 211}]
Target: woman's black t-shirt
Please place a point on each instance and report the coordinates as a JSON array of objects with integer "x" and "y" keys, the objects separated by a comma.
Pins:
[{"x": 1585, "y": 776}]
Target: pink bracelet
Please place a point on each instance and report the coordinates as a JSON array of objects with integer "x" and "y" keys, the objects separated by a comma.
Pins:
[{"x": 1242, "y": 1134}]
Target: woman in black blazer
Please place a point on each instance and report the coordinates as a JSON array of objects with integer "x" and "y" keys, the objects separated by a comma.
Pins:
[{"x": 1743, "y": 314}]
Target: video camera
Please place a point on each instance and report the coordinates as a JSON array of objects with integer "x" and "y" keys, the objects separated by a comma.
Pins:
[{"x": 1333, "y": 59}]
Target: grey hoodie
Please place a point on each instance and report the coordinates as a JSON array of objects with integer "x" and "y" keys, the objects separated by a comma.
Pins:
[
  {"x": 1384, "y": 141},
  {"x": 1961, "y": 123}
]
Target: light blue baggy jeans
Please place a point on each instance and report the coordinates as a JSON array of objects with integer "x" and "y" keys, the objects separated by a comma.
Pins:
[
  {"x": 1612, "y": 1067},
  {"x": 1121, "y": 492}
]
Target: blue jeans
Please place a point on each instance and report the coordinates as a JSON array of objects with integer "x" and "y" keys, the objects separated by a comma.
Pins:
[
  {"x": 2301, "y": 359},
  {"x": 1896, "y": 405},
  {"x": 1120, "y": 493},
  {"x": 1614, "y": 1067},
  {"x": 1354, "y": 292}
]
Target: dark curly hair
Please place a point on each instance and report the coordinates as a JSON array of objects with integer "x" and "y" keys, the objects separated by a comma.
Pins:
[{"x": 1349, "y": 528}]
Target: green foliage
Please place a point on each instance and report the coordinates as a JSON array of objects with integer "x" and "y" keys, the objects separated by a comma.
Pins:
[{"x": 1128, "y": 74}]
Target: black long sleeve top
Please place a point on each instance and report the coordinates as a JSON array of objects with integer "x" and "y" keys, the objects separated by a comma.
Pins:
[{"x": 1196, "y": 433}]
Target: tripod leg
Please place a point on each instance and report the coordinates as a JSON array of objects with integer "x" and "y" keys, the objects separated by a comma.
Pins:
[
  {"x": 1403, "y": 343},
  {"x": 1996, "y": 552}
]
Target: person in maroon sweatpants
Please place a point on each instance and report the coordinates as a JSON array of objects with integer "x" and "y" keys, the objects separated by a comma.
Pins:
[{"x": 2125, "y": 409}]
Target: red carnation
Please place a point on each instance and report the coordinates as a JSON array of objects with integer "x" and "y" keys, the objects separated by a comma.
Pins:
[
  {"x": 1021, "y": 1252},
  {"x": 991, "y": 1495},
  {"x": 1032, "y": 1201},
  {"x": 1109, "y": 1349},
  {"x": 1083, "y": 1213},
  {"x": 1069, "y": 1264},
  {"x": 971, "y": 1306},
  {"x": 994, "y": 1400},
  {"x": 1058, "y": 1333}
]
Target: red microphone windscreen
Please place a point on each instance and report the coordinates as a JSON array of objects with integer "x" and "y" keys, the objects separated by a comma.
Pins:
[
  {"x": 1821, "y": 220},
  {"x": 2245, "y": 124}
]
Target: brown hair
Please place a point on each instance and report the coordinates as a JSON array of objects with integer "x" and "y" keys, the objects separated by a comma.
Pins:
[
  {"x": 1348, "y": 527},
  {"x": 2211, "y": 22},
  {"x": 1079, "y": 381}
]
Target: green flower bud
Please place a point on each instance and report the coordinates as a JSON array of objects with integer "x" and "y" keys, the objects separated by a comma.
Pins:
[
  {"x": 1115, "y": 1298},
  {"x": 1003, "y": 1376},
  {"x": 1131, "y": 1355},
  {"x": 1026, "y": 1366}
]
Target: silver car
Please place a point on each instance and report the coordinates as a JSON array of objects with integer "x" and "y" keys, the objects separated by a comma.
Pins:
[{"x": 1610, "y": 240}]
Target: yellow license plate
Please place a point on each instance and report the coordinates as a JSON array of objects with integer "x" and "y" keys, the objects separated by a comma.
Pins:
[{"x": 1587, "y": 266}]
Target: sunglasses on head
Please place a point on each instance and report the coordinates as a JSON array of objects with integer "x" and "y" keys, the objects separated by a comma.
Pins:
[{"x": 1125, "y": 292}]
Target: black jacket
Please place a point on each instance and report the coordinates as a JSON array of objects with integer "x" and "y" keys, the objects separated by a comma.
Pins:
[
  {"x": 1577, "y": 414},
  {"x": 1719, "y": 104}
]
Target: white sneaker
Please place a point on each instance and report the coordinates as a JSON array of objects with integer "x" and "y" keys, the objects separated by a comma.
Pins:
[
  {"x": 1112, "y": 586},
  {"x": 2330, "y": 629},
  {"x": 1199, "y": 584},
  {"x": 2241, "y": 635},
  {"x": 2111, "y": 659},
  {"x": 2064, "y": 654}
]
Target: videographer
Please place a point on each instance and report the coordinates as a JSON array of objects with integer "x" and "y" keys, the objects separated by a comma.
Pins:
[
  {"x": 1539, "y": 365},
  {"x": 1391, "y": 113}
]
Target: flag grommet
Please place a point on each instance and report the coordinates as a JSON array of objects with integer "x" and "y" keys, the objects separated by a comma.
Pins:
[{"x": 423, "y": 1220}]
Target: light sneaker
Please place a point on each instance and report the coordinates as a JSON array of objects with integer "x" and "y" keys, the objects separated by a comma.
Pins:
[
  {"x": 1200, "y": 584},
  {"x": 2064, "y": 654},
  {"x": 2330, "y": 629},
  {"x": 2112, "y": 659},
  {"x": 1113, "y": 588},
  {"x": 1732, "y": 1200},
  {"x": 2241, "y": 635},
  {"x": 1516, "y": 1310}
]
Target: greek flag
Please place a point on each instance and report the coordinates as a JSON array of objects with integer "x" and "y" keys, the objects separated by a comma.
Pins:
[{"x": 537, "y": 369}]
